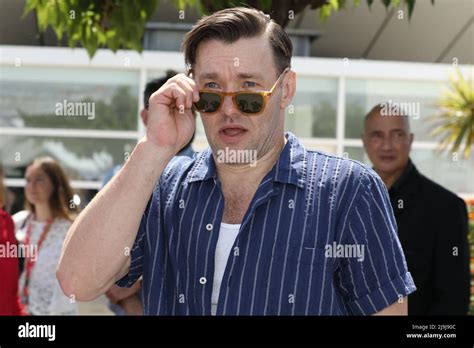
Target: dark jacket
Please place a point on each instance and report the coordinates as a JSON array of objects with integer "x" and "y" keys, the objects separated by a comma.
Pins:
[{"x": 432, "y": 227}]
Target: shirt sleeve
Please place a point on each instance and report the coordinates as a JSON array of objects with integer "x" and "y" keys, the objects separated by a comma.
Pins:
[{"x": 378, "y": 278}]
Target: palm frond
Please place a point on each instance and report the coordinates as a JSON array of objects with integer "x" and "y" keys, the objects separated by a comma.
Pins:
[{"x": 455, "y": 123}]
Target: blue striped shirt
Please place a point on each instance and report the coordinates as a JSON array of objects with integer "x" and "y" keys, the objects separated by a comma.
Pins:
[{"x": 296, "y": 251}]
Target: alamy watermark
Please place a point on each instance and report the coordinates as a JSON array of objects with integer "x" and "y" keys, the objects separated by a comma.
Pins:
[
  {"x": 68, "y": 108},
  {"x": 12, "y": 250},
  {"x": 231, "y": 156},
  {"x": 345, "y": 251},
  {"x": 407, "y": 109},
  {"x": 37, "y": 331}
]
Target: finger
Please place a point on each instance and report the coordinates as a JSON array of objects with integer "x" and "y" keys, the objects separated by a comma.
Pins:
[
  {"x": 189, "y": 92},
  {"x": 179, "y": 96},
  {"x": 193, "y": 85}
]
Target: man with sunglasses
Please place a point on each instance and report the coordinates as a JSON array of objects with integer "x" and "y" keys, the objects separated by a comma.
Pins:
[{"x": 287, "y": 232}]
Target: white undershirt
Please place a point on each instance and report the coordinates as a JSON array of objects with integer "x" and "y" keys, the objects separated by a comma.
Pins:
[{"x": 227, "y": 235}]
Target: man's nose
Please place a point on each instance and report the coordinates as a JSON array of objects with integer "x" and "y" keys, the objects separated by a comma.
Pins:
[
  {"x": 228, "y": 108},
  {"x": 387, "y": 143}
]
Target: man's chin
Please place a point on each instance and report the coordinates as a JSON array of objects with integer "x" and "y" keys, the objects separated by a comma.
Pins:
[{"x": 387, "y": 168}]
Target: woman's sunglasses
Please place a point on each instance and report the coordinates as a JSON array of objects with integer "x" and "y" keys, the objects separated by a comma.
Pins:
[{"x": 247, "y": 102}]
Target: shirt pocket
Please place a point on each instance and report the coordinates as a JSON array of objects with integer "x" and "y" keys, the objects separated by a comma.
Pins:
[
  {"x": 299, "y": 254},
  {"x": 296, "y": 276}
]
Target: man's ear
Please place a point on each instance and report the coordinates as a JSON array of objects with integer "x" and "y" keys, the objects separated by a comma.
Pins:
[
  {"x": 144, "y": 116},
  {"x": 288, "y": 89}
]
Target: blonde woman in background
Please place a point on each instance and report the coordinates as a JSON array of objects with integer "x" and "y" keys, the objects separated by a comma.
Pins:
[{"x": 42, "y": 228}]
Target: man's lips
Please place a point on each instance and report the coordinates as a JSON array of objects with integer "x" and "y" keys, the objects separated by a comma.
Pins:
[
  {"x": 232, "y": 131},
  {"x": 387, "y": 158}
]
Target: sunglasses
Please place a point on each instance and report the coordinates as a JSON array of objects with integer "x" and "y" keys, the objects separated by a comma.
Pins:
[{"x": 247, "y": 102}]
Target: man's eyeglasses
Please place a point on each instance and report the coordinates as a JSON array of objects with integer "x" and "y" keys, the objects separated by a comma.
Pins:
[{"x": 247, "y": 102}]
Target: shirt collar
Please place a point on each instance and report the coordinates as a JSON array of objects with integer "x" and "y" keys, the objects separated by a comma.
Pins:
[
  {"x": 289, "y": 169},
  {"x": 186, "y": 151}
]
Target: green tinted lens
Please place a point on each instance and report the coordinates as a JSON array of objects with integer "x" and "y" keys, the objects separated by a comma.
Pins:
[
  {"x": 250, "y": 103},
  {"x": 208, "y": 102}
]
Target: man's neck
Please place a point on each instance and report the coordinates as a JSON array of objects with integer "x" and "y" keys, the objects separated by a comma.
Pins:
[
  {"x": 253, "y": 173},
  {"x": 43, "y": 212}
]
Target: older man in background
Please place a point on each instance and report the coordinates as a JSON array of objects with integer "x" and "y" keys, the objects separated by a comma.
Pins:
[{"x": 432, "y": 221}]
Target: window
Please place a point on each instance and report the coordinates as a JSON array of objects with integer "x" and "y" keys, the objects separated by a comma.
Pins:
[
  {"x": 362, "y": 95},
  {"x": 314, "y": 108},
  {"x": 68, "y": 98},
  {"x": 86, "y": 159}
]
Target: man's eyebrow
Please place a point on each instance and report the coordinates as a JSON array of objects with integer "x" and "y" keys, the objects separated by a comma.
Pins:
[
  {"x": 253, "y": 75},
  {"x": 243, "y": 75},
  {"x": 378, "y": 131},
  {"x": 375, "y": 131},
  {"x": 209, "y": 75},
  {"x": 397, "y": 130}
]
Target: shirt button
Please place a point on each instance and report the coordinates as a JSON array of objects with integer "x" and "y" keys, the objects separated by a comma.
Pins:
[
  {"x": 209, "y": 227},
  {"x": 202, "y": 280}
]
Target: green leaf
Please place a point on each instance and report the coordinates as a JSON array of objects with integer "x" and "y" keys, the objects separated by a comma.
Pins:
[
  {"x": 455, "y": 124},
  {"x": 121, "y": 16},
  {"x": 29, "y": 6},
  {"x": 395, "y": 3},
  {"x": 334, "y": 4},
  {"x": 265, "y": 5},
  {"x": 411, "y": 6},
  {"x": 324, "y": 12}
]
